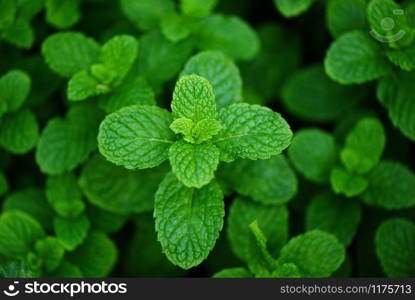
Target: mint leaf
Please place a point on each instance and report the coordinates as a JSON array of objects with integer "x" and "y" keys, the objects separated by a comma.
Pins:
[
  {"x": 293, "y": 8},
  {"x": 196, "y": 133},
  {"x": 230, "y": 35},
  {"x": 50, "y": 251},
  {"x": 176, "y": 27},
  {"x": 136, "y": 137},
  {"x": 391, "y": 186},
  {"x": 336, "y": 215},
  {"x": 33, "y": 202},
  {"x": 118, "y": 190},
  {"x": 7, "y": 12},
  {"x": 14, "y": 89},
  {"x": 313, "y": 153},
  {"x": 345, "y": 16},
  {"x": 188, "y": 220},
  {"x": 260, "y": 261},
  {"x": 403, "y": 58},
  {"x": 70, "y": 52},
  {"x": 62, "y": 13},
  {"x": 64, "y": 195},
  {"x": 193, "y": 98},
  {"x": 233, "y": 273},
  {"x": 252, "y": 132},
  {"x": 270, "y": 181},
  {"x": 194, "y": 165},
  {"x": 67, "y": 270},
  {"x": 315, "y": 253},
  {"x": 346, "y": 183},
  {"x": 272, "y": 219},
  {"x": 310, "y": 94},
  {"x": 395, "y": 247},
  {"x": 221, "y": 72},
  {"x": 74, "y": 136},
  {"x": 288, "y": 270},
  {"x": 364, "y": 146},
  {"x": 18, "y": 232},
  {"x": 118, "y": 55},
  {"x": 71, "y": 232},
  {"x": 86, "y": 258},
  {"x": 104, "y": 221},
  {"x": 19, "y": 33},
  {"x": 197, "y": 8},
  {"x": 356, "y": 58},
  {"x": 159, "y": 60},
  {"x": 82, "y": 85},
  {"x": 19, "y": 131},
  {"x": 134, "y": 91},
  {"x": 396, "y": 92},
  {"x": 391, "y": 28},
  {"x": 146, "y": 14}
]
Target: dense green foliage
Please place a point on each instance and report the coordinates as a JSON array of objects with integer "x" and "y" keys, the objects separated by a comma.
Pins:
[{"x": 213, "y": 138}]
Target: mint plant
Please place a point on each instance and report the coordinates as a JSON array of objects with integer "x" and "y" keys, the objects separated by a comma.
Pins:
[
  {"x": 146, "y": 131},
  {"x": 195, "y": 138}
]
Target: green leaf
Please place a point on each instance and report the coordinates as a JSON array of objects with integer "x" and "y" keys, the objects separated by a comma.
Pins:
[
  {"x": 159, "y": 60},
  {"x": 346, "y": 183},
  {"x": 134, "y": 91},
  {"x": 260, "y": 261},
  {"x": 252, "y": 132},
  {"x": 364, "y": 146},
  {"x": 287, "y": 271},
  {"x": 272, "y": 219},
  {"x": 403, "y": 57},
  {"x": 204, "y": 130},
  {"x": 233, "y": 273},
  {"x": 389, "y": 23},
  {"x": 316, "y": 253},
  {"x": 104, "y": 221},
  {"x": 71, "y": 232},
  {"x": 396, "y": 93},
  {"x": 176, "y": 27},
  {"x": 70, "y": 52},
  {"x": 146, "y": 14},
  {"x": 313, "y": 153},
  {"x": 221, "y": 72},
  {"x": 345, "y": 16},
  {"x": 119, "y": 54},
  {"x": 50, "y": 251},
  {"x": 391, "y": 186},
  {"x": 86, "y": 258},
  {"x": 18, "y": 232},
  {"x": 67, "y": 270},
  {"x": 19, "y": 131},
  {"x": 62, "y": 13},
  {"x": 33, "y": 202},
  {"x": 19, "y": 33},
  {"x": 395, "y": 247},
  {"x": 4, "y": 186},
  {"x": 194, "y": 165},
  {"x": 66, "y": 143},
  {"x": 118, "y": 190},
  {"x": 14, "y": 89},
  {"x": 336, "y": 215},
  {"x": 64, "y": 195},
  {"x": 311, "y": 95},
  {"x": 293, "y": 8},
  {"x": 136, "y": 137},
  {"x": 13, "y": 268},
  {"x": 356, "y": 58},
  {"x": 82, "y": 86},
  {"x": 7, "y": 12},
  {"x": 197, "y": 8},
  {"x": 230, "y": 35},
  {"x": 270, "y": 181},
  {"x": 193, "y": 98},
  {"x": 188, "y": 220}
]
